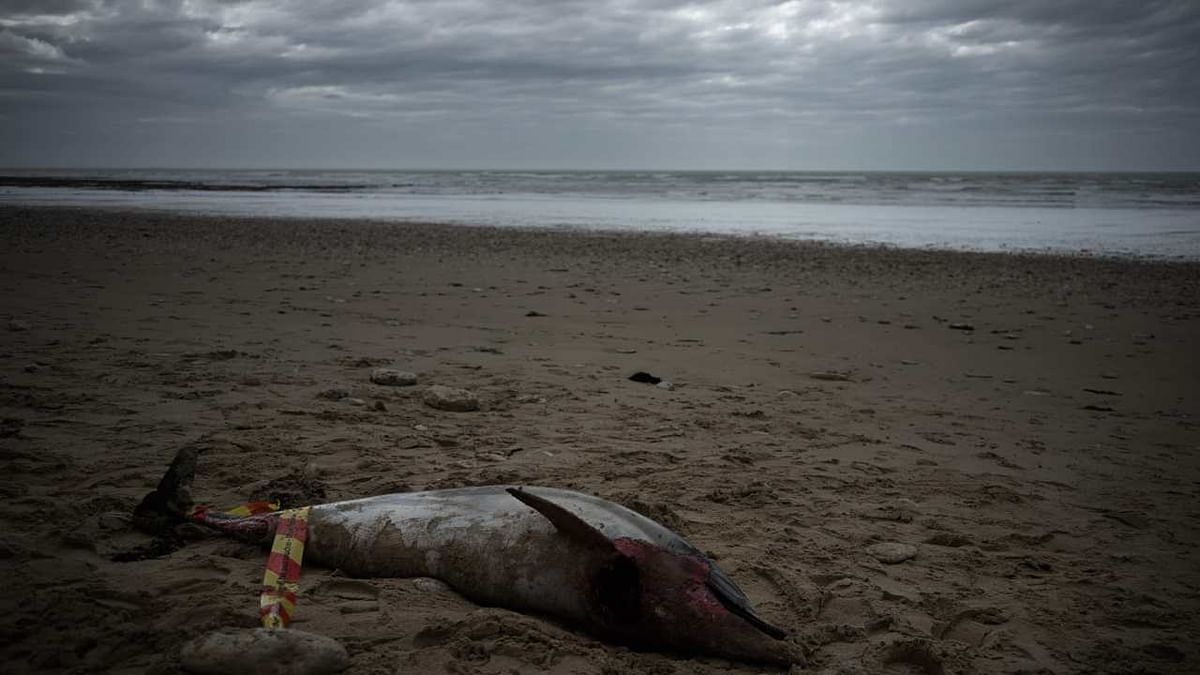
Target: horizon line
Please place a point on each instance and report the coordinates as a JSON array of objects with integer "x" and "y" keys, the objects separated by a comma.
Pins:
[{"x": 589, "y": 170}]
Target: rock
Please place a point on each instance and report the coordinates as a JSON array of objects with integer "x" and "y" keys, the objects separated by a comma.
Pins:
[
  {"x": 961, "y": 326},
  {"x": 379, "y": 407},
  {"x": 665, "y": 385},
  {"x": 891, "y": 552},
  {"x": 390, "y": 377},
  {"x": 17, "y": 325},
  {"x": 263, "y": 652},
  {"x": 534, "y": 313},
  {"x": 452, "y": 399},
  {"x": 645, "y": 378}
]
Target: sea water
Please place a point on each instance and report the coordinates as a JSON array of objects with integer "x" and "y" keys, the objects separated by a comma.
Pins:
[{"x": 1137, "y": 214}]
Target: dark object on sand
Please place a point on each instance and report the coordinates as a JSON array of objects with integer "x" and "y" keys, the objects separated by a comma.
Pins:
[
  {"x": 564, "y": 554},
  {"x": 644, "y": 377},
  {"x": 263, "y": 651}
]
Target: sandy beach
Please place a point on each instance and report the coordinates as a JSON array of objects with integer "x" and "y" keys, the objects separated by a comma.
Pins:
[{"x": 1028, "y": 423}]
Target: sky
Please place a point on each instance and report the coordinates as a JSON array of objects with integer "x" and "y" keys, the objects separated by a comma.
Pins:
[{"x": 618, "y": 84}]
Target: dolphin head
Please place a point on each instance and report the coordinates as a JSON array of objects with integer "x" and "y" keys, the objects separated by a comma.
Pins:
[
  {"x": 650, "y": 595},
  {"x": 647, "y": 594}
]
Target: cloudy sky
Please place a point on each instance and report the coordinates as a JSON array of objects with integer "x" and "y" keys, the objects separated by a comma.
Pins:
[{"x": 803, "y": 84}]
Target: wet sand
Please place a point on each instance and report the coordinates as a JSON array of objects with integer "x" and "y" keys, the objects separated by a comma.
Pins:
[{"x": 1028, "y": 423}]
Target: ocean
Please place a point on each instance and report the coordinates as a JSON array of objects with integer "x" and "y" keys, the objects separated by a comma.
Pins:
[{"x": 1125, "y": 214}]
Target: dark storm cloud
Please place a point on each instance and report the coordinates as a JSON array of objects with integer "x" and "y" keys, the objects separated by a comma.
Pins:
[{"x": 898, "y": 83}]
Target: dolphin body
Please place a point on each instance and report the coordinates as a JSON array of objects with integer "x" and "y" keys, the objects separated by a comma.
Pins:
[{"x": 564, "y": 554}]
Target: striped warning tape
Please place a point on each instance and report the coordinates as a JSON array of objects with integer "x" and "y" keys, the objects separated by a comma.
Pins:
[
  {"x": 282, "y": 577},
  {"x": 203, "y": 513}
]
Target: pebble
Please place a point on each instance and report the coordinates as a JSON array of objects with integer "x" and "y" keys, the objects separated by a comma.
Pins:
[
  {"x": 452, "y": 399},
  {"x": 891, "y": 552},
  {"x": 393, "y": 378},
  {"x": 263, "y": 652},
  {"x": 645, "y": 378},
  {"x": 665, "y": 385}
]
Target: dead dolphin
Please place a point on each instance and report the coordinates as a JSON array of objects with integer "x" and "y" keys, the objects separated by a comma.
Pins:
[{"x": 565, "y": 554}]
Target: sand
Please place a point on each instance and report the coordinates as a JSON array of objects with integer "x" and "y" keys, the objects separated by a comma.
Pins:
[{"x": 1026, "y": 424}]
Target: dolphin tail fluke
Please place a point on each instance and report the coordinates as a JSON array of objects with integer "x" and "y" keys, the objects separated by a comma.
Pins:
[{"x": 171, "y": 501}]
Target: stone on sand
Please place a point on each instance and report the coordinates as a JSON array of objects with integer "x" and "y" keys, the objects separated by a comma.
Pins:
[
  {"x": 391, "y": 377},
  {"x": 263, "y": 652},
  {"x": 891, "y": 552},
  {"x": 451, "y": 398}
]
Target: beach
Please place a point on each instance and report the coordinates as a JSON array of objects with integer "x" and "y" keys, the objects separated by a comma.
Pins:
[{"x": 1029, "y": 424}]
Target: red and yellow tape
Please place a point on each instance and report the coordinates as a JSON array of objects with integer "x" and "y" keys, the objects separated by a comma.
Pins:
[
  {"x": 277, "y": 603},
  {"x": 281, "y": 580}
]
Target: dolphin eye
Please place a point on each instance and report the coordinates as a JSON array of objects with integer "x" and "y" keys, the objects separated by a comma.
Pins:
[{"x": 617, "y": 586}]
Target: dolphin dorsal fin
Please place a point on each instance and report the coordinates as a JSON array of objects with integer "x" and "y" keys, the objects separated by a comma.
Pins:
[{"x": 566, "y": 522}]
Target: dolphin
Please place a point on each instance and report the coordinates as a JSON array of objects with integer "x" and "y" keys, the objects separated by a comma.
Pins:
[{"x": 564, "y": 554}]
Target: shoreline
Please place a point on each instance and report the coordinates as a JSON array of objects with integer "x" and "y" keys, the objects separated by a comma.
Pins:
[
  {"x": 1028, "y": 423},
  {"x": 567, "y": 231},
  {"x": 1109, "y": 231}
]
